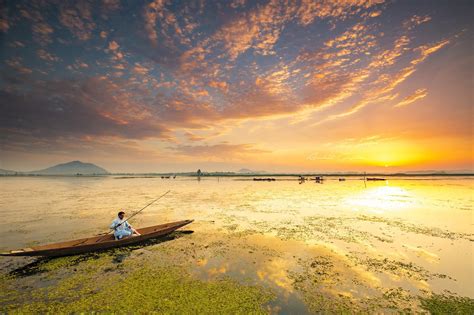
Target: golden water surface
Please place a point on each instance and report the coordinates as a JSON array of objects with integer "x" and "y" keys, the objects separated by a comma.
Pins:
[{"x": 349, "y": 239}]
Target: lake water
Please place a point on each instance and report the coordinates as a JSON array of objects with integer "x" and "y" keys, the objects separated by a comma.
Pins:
[{"x": 351, "y": 241}]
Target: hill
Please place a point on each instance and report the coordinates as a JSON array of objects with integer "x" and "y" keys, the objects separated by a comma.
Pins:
[
  {"x": 249, "y": 171},
  {"x": 6, "y": 172},
  {"x": 72, "y": 168}
]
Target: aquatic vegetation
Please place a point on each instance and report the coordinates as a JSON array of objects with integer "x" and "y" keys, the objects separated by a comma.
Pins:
[
  {"x": 298, "y": 253},
  {"x": 447, "y": 304},
  {"x": 412, "y": 228},
  {"x": 145, "y": 289},
  {"x": 399, "y": 268}
]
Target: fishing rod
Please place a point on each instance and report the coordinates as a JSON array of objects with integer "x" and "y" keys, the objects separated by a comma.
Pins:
[
  {"x": 107, "y": 233},
  {"x": 142, "y": 209}
]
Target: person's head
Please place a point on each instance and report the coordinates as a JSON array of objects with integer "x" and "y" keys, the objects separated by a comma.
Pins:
[{"x": 121, "y": 214}]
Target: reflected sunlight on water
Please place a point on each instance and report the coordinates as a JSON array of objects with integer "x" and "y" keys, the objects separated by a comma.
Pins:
[{"x": 382, "y": 198}]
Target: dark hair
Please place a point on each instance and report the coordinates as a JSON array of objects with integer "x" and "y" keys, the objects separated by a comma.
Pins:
[{"x": 121, "y": 212}]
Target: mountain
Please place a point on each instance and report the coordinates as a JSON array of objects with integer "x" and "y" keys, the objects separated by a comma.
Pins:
[
  {"x": 6, "y": 172},
  {"x": 248, "y": 171},
  {"x": 72, "y": 168},
  {"x": 438, "y": 172}
]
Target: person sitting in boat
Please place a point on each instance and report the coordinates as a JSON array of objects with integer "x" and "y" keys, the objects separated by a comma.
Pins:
[{"x": 122, "y": 228}]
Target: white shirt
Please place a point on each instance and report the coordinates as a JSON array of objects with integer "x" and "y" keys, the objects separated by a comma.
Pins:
[{"x": 123, "y": 225}]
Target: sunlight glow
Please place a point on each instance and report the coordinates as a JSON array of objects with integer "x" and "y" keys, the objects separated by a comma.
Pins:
[{"x": 382, "y": 198}]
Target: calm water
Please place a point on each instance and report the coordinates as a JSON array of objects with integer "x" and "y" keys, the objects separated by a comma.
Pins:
[{"x": 409, "y": 233}]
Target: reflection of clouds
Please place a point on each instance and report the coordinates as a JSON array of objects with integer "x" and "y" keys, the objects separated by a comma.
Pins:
[
  {"x": 423, "y": 253},
  {"x": 214, "y": 271},
  {"x": 367, "y": 277},
  {"x": 276, "y": 272}
]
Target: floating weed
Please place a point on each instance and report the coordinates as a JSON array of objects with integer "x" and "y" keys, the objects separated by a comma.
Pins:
[
  {"x": 144, "y": 290},
  {"x": 412, "y": 228},
  {"x": 167, "y": 277},
  {"x": 399, "y": 268},
  {"x": 447, "y": 304}
]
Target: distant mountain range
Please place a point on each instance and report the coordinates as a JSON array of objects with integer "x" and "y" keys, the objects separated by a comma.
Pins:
[
  {"x": 6, "y": 172},
  {"x": 80, "y": 168},
  {"x": 70, "y": 168},
  {"x": 249, "y": 171}
]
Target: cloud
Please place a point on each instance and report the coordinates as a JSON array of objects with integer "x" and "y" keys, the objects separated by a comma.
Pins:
[
  {"x": 158, "y": 17},
  {"x": 415, "y": 21},
  {"x": 109, "y": 6},
  {"x": 66, "y": 109},
  {"x": 221, "y": 85},
  {"x": 78, "y": 19},
  {"x": 386, "y": 83},
  {"x": 17, "y": 64},
  {"x": 43, "y": 33},
  {"x": 192, "y": 137},
  {"x": 138, "y": 68},
  {"x": 419, "y": 94},
  {"x": 41, "y": 28},
  {"x": 310, "y": 10},
  {"x": 151, "y": 12},
  {"x": 113, "y": 45},
  {"x": 200, "y": 65},
  {"x": 426, "y": 50},
  {"x": 43, "y": 54},
  {"x": 4, "y": 25},
  {"x": 224, "y": 151}
]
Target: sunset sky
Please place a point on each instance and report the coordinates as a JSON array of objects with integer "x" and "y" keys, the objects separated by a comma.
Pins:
[{"x": 283, "y": 86}]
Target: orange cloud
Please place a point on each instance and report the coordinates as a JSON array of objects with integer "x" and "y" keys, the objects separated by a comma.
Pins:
[
  {"x": 223, "y": 86},
  {"x": 140, "y": 69},
  {"x": 426, "y": 50},
  {"x": 222, "y": 151},
  {"x": 113, "y": 45},
  {"x": 419, "y": 94}
]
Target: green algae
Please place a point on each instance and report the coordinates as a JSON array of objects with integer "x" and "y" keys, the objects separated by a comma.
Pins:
[
  {"x": 447, "y": 304},
  {"x": 163, "y": 279},
  {"x": 101, "y": 283},
  {"x": 146, "y": 290},
  {"x": 417, "y": 229},
  {"x": 398, "y": 268}
]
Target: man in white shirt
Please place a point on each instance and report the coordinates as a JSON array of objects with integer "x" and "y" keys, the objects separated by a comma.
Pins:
[{"x": 122, "y": 228}]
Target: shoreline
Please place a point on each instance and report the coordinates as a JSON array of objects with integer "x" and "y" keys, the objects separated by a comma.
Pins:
[{"x": 157, "y": 175}]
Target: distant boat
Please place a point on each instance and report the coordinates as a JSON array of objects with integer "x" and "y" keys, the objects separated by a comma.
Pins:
[
  {"x": 342, "y": 179},
  {"x": 318, "y": 179},
  {"x": 97, "y": 243},
  {"x": 268, "y": 179},
  {"x": 375, "y": 179}
]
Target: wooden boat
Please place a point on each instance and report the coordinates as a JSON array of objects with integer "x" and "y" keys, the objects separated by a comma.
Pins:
[
  {"x": 97, "y": 243},
  {"x": 375, "y": 179},
  {"x": 268, "y": 179}
]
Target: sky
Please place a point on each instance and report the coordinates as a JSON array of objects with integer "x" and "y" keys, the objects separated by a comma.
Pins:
[{"x": 280, "y": 86}]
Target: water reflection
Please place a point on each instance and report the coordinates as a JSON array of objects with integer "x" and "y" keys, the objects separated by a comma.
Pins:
[
  {"x": 420, "y": 228},
  {"x": 382, "y": 198}
]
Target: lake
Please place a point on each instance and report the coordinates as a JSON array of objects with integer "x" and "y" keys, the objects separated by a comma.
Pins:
[{"x": 274, "y": 247}]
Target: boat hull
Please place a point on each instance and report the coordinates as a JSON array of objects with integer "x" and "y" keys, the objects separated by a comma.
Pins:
[{"x": 97, "y": 243}]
